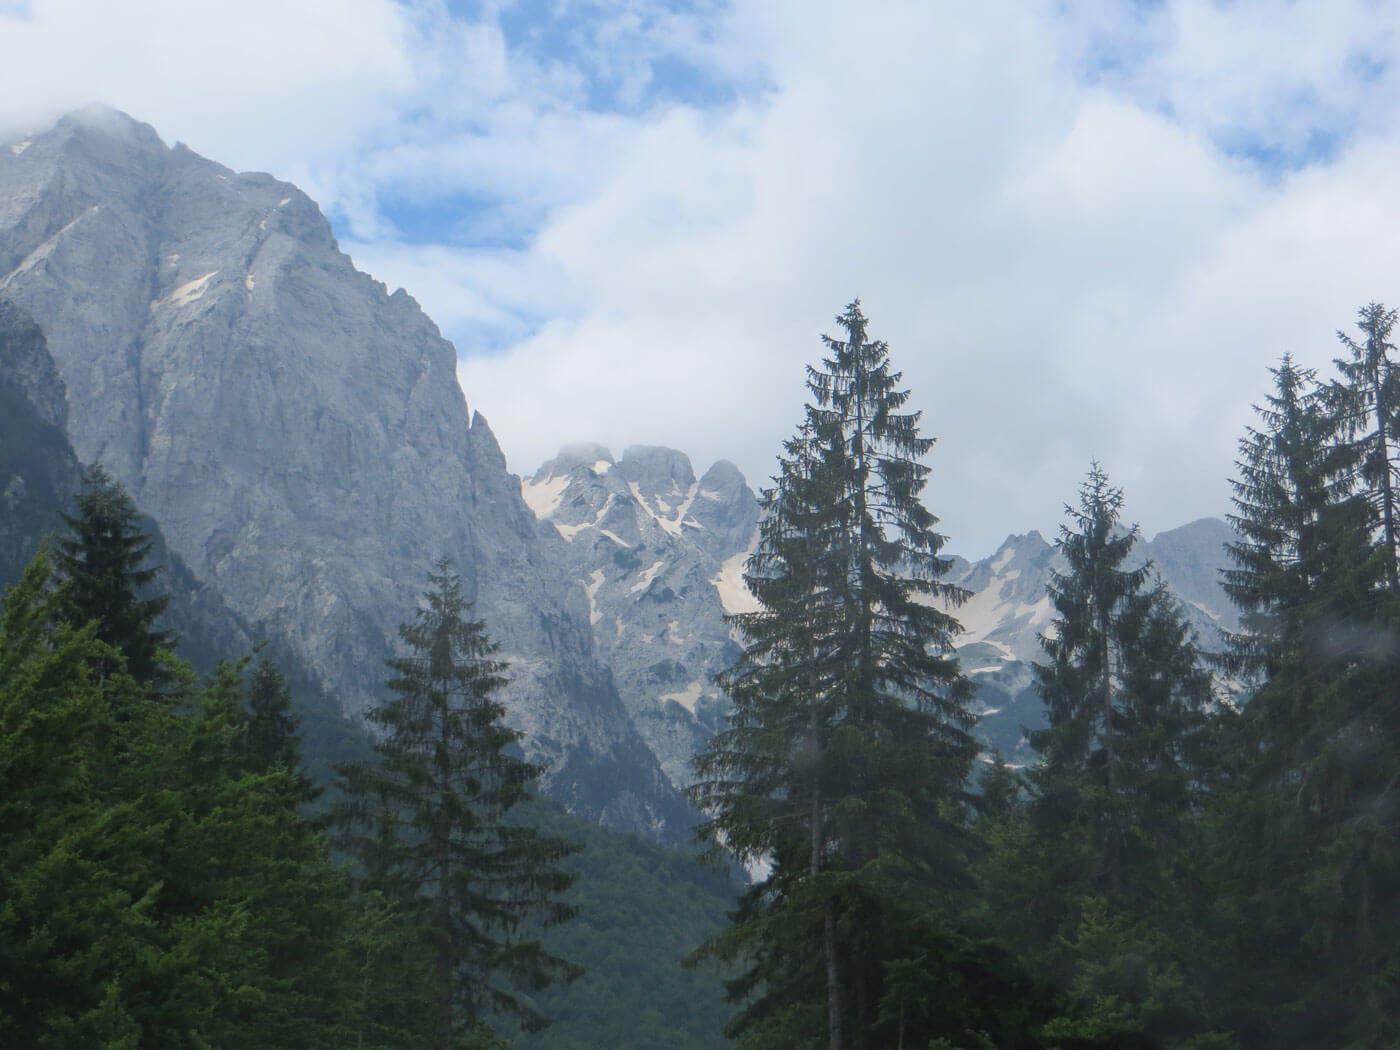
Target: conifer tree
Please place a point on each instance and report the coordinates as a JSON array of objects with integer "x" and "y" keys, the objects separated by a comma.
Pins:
[
  {"x": 428, "y": 821},
  {"x": 64, "y": 913},
  {"x": 1366, "y": 404},
  {"x": 844, "y": 764},
  {"x": 1119, "y": 776},
  {"x": 269, "y": 728},
  {"x": 1310, "y": 851},
  {"x": 103, "y": 560},
  {"x": 153, "y": 891},
  {"x": 1123, "y": 689}
]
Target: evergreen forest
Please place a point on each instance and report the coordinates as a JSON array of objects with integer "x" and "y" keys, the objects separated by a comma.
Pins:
[{"x": 1203, "y": 854}]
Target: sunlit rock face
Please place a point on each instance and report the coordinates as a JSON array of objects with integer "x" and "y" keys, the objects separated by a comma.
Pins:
[{"x": 299, "y": 432}]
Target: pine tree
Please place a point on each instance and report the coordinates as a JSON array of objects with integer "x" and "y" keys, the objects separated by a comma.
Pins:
[
  {"x": 103, "y": 561},
  {"x": 64, "y": 913},
  {"x": 152, "y": 890},
  {"x": 844, "y": 764},
  {"x": 428, "y": 820}
]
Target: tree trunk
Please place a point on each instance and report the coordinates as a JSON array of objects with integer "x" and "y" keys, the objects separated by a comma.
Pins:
[
  {"x": 1115, "y": 860},
  {"x": 444, "y": 930},
  {"x": 833, "y": 980},
  {"x": 1392, "y": 574},
  {"x": 833, "y": 977}
]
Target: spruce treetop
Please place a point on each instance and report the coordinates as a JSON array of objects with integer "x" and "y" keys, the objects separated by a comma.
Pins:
[{"x": 103, "y": 561}]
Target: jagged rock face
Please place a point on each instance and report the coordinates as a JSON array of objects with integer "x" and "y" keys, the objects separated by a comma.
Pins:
[
  {"x": 660, "y": 557},
  {"x": 298, "y": 432},
  {"x": 38, "y": 471}
]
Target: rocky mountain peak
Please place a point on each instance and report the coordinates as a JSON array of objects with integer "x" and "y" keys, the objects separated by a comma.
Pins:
[
  {"x": 584, "y": 456},
  {"x": 657, "y": 470},
  {"x": 659, "y": 557}
]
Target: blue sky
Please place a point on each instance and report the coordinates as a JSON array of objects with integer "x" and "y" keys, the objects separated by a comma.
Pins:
[{"x": 1087, "y": 229}]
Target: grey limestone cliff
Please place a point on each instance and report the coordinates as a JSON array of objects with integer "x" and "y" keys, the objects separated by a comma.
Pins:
[{"x": 298, "y": 432}]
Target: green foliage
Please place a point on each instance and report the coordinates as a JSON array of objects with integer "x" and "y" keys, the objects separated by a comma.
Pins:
[
  {"x": 1126, "y": 696},
  {"x": 269, "y": 729},
  {"x": 103, "y": 561},
  {"x": 1085, "y": 877},
  {"x": 1309, "y": 857},
  {"x": 1365, "y": 407},
  {"x": 641, "y": 909},
  {"x": 847, "y": 750},
  {"x": 151, "y": 886},
  {"x": 427, "y": 821}
]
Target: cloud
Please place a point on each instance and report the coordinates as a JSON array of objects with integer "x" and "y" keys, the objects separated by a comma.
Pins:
[
  {"x": 259, "y": 79},
  {"x": 1086, "y": 230}
]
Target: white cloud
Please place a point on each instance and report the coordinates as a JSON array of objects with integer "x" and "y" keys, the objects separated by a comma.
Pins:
[
  {"x": 254, "y": 81},
  {"x": 1066, "y": 218}
]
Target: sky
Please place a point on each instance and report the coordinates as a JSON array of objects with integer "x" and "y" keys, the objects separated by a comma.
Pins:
[{"x": 1086, "y": 229}]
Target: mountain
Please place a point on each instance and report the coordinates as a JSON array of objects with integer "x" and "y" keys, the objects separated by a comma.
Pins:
[
  {"x": 298, "y": 434},
  {"x": 1010, "y": 609},
  {"x": 659, "y": 554}
]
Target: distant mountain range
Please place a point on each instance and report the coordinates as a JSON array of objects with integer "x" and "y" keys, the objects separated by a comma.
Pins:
[
  {"x": 661, "y": 556},
  {"x": 299, "y": 438}
]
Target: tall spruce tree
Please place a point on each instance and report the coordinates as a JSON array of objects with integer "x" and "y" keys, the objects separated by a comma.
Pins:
[
  {"x": 1310, "y": 854},
  {"x": 1119, "y": 776},
  {"x": 428, "y": 821},
  {"x": 153, "y": 890},
  {"x": 1124, "y": 692},
  {"x": 844, "y": 764},
  {"x": 103, "y": 560}
]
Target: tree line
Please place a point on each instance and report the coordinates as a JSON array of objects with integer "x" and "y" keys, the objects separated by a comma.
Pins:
[{"x": 1204, "y": 851}]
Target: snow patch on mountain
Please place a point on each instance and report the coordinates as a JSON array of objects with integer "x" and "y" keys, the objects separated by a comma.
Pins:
[
  {"x": 191, "y": 290},
  {"x": 44, "y": 250},
  {"x": 734, "y": 593},
  {"x": 644, "y": 580},
  {"x": 542, "y": 497},
  {"x": 661, "y": 510},
  {"x": 660, "y": 555},
  {"x": 686, "y": 699}
]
